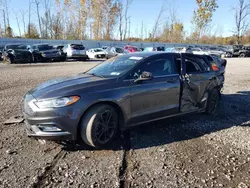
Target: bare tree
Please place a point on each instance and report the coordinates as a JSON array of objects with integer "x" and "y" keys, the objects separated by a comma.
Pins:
[
  {"x": 23, "y": 20},
  {"x": 126, "y": 18},
  {"x": 37, "y": 3},
  {"x": 18, "y": 23},
  {"x": 142, "y": 30},
  {"x": 4, "y": 22},
  {"x": 241, "y": 14},
  {"x": 29, "y": 18},
  {"x": 157, "y": 22},
  {"x": 120, "y": 14}
]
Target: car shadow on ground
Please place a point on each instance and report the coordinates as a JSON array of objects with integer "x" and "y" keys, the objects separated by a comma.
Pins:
[{"x": 234, "y": 111}]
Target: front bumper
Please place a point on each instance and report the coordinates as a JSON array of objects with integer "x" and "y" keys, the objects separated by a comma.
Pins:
[
  {"x": 100, "y": 56},
  {"x": 53, "y": 124},
  {"x": 35, "y": 131}
]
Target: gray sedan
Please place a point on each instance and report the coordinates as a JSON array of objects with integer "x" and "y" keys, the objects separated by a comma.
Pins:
[{"x": 119, "y": 93}]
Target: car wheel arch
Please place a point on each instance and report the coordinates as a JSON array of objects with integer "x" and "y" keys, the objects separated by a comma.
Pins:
[{"x": 121, "y": 116}]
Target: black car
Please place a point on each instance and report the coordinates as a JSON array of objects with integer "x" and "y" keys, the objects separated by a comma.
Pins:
[
  {"x": 1, "y": 52},
  {"x": 45, "y": 52},
  {"x": 63, "y": 54},
  {"x": 17, "y": 53},
  {"x": 122, "y": 92}
]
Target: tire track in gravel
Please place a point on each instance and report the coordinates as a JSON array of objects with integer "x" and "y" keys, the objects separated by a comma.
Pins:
[
  {"x": 42, "y": 178},
  {"x": 126, "y": 160}
]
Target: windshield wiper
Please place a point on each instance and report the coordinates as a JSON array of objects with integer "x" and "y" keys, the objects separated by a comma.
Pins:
[{"x": 93, "y": 74}]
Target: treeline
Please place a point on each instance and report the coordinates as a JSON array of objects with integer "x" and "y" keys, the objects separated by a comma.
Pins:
[{"x": 110, "y": 20}]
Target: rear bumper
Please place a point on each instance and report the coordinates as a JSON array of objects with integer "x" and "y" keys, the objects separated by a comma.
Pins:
[{"x": 78, "y": 56}]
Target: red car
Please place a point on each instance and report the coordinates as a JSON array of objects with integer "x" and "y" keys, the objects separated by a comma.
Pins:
[{"x": 130, "y": 49}]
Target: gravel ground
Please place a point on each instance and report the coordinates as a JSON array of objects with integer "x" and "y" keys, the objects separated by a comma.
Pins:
[{"x": 189, "y": 151}]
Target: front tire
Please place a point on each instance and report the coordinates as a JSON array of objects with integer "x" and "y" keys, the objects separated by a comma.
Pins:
[
  {"x": 99, "y": 126},
  {"x": 9, "y": 60},
  {"x": 213, "y": 102}
]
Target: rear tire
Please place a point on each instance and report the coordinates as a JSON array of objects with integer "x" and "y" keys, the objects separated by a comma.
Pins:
[
  {"x": 99, "y": 126},
  {"x": 213, "y": 102},
  {"x": 242, "y": 55}
]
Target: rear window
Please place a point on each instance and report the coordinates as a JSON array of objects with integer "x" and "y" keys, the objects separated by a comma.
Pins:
[
  {"x": 203, "y": 64},
  {"x": 77, "y": 47},
  {"x": 45, "y": 47}
]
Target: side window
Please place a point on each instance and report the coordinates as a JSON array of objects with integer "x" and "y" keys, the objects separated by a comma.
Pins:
[
  {"x": 162, "y": 66},
  {"x": 33, "y": 47},
  {"x": 204, "y": 66},
  {"x": 192, "y": 66}
]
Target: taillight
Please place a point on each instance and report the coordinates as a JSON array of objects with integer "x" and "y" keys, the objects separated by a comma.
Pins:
[{"x": 215, "y": 67}]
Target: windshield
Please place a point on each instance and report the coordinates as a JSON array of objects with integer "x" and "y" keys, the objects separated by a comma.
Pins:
[
  {"x": 77, "y": 47},
  {"x": 115, "y": 67},
  {"x": 17, "y": 47},
  {"x": 45, "y": 47}
]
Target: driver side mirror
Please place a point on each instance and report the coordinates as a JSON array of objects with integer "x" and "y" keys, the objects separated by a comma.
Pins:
[{"x": 144, "y": 76}]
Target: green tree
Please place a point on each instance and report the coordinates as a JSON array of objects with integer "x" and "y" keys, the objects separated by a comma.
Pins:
[{"x": 203, "y": 16}]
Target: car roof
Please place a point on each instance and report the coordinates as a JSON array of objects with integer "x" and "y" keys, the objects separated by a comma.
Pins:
[
  {"x": 146, "y": 54},
  {"x": 42, "y": 44}
]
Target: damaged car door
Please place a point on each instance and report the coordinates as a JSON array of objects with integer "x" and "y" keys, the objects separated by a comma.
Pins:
[
  {"x": 197, "y": 80},
  {"x": 156, "y": 97}
]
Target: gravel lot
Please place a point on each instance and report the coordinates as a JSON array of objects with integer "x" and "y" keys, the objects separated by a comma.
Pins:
[{"x": 191, "y": 151}]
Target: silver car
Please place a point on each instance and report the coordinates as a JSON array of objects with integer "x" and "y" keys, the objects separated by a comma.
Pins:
[{"x": 76, "y": 51}]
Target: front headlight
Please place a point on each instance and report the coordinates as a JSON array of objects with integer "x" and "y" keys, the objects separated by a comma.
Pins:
[{"x": 56, "y": 103}]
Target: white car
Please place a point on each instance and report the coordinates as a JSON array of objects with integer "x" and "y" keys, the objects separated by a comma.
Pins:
[
  {"x": 199, "y": 51},
  {"x": 96, "y": 53},
  {"x": 76, "y": 51}
]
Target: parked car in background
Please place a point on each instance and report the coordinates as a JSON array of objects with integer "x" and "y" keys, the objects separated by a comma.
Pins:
[
  {"x": 220, "y": 52},
  {"x": 63, "y": 54},
  {"x": 199, "y": 51},
  {"x": 114, "y": 51},
  {"x": 131, "y": 49},
  {"x": 239, "y": 51},
  {"x": 150, "y": 49},
  {"x": 120, "y": 93},
  {"x": 96, "y": 53},
  {"x": 45, "y": 52},
  {"x": 1, "y": 52},
  {"x": 17, "y": 53},
  {"x": 76, "y": 51}
]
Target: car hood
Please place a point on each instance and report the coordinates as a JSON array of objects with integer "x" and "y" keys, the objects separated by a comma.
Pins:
[
  {"x": 21, "y": 51},
  {"x": 65, "y": 85}
]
